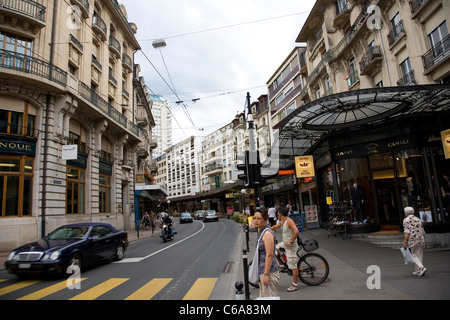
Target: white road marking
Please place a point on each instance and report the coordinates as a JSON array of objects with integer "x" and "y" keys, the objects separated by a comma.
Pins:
[{"x": 133, "y": 260}]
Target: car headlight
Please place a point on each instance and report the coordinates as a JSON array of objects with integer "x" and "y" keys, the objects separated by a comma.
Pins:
[
  {"x": 11, "y": 256},
  {"x": 55, "y": 255}
]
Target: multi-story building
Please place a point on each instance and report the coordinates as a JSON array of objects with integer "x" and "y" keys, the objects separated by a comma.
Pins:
[
  {"x": 66, "y": 78},
  {"x": 372, "y": 108},
  {"x": 162, "y": 131},
  {"x": 183, "y": 178}
]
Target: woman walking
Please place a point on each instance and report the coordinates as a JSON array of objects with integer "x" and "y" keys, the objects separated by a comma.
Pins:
[{"x": 267, "y": 265}]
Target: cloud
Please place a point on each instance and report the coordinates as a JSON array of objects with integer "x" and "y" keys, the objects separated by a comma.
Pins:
[{"x": 210, "y": 64}]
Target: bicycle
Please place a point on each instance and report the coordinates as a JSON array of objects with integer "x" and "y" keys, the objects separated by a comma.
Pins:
[{"x": 313, "y": 268}]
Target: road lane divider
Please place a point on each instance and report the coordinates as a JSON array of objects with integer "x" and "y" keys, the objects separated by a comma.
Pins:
[{"x": 139, "y": 259}]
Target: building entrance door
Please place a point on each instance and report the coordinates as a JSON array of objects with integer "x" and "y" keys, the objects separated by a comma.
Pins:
[{"x": 388, "y": 174}]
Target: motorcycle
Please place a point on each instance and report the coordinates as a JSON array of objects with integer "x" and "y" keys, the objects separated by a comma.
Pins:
[{"x": 165, "y": 232}]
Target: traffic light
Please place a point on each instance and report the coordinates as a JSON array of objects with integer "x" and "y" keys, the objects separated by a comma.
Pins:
[
  {"x": 251, "y": 168},
  {"x": 245, "y": 176}
]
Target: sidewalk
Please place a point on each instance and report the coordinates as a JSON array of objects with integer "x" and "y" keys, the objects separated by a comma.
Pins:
[
  {"x": 349, "y": 260},
  {"x": 132, "y": 236}
]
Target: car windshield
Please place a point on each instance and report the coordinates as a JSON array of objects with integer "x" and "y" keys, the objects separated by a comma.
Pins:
[
  {"x": 185, "y": 214},
  {"x": 210, "y": 212},
  {"x": 72, "y": 232}
]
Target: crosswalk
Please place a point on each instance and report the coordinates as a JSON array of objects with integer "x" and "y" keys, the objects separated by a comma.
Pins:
[{"x": 39, "y": 289}]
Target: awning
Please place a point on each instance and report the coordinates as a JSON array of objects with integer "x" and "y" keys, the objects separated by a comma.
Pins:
[{"x": 305, "y": 126}]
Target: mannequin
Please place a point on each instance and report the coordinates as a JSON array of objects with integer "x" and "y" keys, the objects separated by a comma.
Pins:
[{"x": 357, "y": 202}]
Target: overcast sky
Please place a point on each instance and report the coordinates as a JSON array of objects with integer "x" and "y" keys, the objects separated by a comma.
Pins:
[{"x": 217, "y": 66}]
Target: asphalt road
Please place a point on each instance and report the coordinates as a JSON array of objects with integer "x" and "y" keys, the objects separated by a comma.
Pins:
[{"x": 189, "y": 267}]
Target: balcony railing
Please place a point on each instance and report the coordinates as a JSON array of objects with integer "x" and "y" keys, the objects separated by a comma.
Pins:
[
  {"x": 407, "y": 80},
  {"x": 127, "y": 62},
  {"x": 26, "y": 64},
  {"x": 99, "y": 26},
  {"x": 437, "y": 53},
  {"x": 26, "y": 7},
  {"x": 372, "y": 55},
  {"x": 114, "y": 45},
  {"x": 396, "y": 33}
]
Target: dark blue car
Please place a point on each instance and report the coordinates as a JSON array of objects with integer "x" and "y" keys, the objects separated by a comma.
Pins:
[{"x": 79, "y": 244}]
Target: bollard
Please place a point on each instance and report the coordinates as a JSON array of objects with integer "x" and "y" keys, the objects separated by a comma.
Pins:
[
  {"x": 247, "y": 288},
  {"x": 239, "y": 292},
  {"x": 247, "y": 236}
]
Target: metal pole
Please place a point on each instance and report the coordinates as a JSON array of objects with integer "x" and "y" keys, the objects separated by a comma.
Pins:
[{"x": 247, "y": 288}]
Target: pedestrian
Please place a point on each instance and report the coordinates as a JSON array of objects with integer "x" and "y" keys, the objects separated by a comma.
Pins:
[
  {"x": 146, "y": 220},
  {"x": 268, "y": 265},
  {"x": 289, "y": 233},
  {"x": 272, "y": 216},
  {"x": 414, "y": 239}
]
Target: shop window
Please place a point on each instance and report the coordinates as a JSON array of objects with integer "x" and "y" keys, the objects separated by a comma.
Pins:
[
  {"x": 75, "y": 190},
  {"x": 16, "y": 181},
  {"x": 104, "y": 193}
]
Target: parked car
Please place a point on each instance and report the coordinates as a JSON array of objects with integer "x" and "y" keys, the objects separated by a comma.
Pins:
[
  {"x": 210, "y": 215},
  {"x": 199, "y": 214},
  {"x": 185, "y": 217},
  {"x": 79, "y": 244}
]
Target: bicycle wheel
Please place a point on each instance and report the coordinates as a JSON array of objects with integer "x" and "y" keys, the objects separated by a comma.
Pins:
[{"x": 313, "y": 269}]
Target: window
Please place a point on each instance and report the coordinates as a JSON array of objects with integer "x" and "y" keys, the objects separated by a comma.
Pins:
[
  {"x": 20, "y": 123},
  {"x": 439, "y": 41},
  {"x": 104, "y": 193},
  {"x": 75, "y": 190},
  {"x": 16, "y": 180},
  {"x": 19, "y": 46},
  {"x": 406, "y": 73}
]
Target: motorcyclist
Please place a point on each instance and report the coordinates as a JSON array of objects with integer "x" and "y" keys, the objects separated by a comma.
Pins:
[{"x": 166, "y": 219}]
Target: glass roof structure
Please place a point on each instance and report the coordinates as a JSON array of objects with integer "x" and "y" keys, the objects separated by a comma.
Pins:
[{"x": 306, "y": 125}]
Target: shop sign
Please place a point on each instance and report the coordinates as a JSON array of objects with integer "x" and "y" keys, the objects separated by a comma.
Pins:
[
  {"x": 446, "y": 142},
  {"x": 12, "y": 145},
  {"x": 304, "y": 166},
  {"x": 70, "y": 152}
]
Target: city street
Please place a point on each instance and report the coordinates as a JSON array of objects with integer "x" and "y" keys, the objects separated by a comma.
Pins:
[
  {"x": 186, "y": 268},
  {"x": 349, "y": 261}
]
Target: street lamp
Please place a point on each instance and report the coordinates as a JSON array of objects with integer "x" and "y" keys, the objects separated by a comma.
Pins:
[
  {"x": 168, "y": 207},
  {"x": 160, "y": 43}
]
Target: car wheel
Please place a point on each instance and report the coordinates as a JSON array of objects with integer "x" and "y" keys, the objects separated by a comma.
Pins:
[{"x": 120, "y": 252}]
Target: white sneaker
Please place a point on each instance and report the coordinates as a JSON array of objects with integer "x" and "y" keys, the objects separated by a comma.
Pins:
[{"x": 422, "y": 272}]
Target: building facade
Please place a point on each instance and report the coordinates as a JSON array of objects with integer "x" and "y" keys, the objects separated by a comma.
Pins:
[
  {"x": 66, "y": 78},
  {"x": 162, "y": 131},
  {"x": 373, "y": 105}
]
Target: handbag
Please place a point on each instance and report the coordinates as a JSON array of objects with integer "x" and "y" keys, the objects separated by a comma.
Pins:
[
  {"x": 407, "y": 256},
  {"x": 253, "y": 272}
]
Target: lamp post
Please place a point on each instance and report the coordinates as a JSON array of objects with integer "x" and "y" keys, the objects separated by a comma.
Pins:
[{"x": 168, "y": 207}]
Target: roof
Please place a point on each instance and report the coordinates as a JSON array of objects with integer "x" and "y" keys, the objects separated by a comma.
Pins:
[{"x": 304, "y": 127}]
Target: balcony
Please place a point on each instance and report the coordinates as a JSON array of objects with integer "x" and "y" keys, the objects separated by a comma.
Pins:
[
  {"x": 437, "y": 55},
  {"x": 418, "y": 6},
  {"x": 26, "y": 66},
  {"x": 99, "y": 27},
  {"x": 213, "y": 169},
  {"x": 114, "y": 46},
  {"x": 83, "y": 5},
  {"x": 127, "y": 63},
  {"x": 370, "y": 60},
  {"x": 396, "y": 34},
  {"x": 407, "y": 80},
  {"x": 28, "y": 13}
]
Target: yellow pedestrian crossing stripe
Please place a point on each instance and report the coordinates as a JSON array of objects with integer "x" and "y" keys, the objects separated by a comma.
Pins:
[
  {"x": 100, "y": 289},
  {"x": 17, "y": 286},
  {"x": 200, "y": 290},
  {"x": 48, "y": 291},
  {"x": 149, "y": 290}
]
